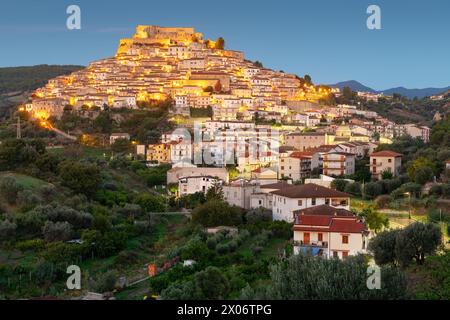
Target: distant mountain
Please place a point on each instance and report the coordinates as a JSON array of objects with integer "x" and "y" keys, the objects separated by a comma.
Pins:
[
  {"x": 354, "y": 85},
  {"x": 410, "y": 93},
  {"x": 420, "y": 93}
]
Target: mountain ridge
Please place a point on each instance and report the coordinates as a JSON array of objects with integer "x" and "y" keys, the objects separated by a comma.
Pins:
[{"x": 410, "y": 93}]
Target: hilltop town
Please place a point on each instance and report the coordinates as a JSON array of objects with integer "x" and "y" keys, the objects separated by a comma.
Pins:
[{"x": 160, "y": 63}]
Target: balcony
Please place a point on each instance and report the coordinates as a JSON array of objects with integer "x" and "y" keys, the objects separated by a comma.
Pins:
[
  {"x": 378, "y": 164},
  {"x": 318, "y": 249},
  {"x": 311, "y": 244}
]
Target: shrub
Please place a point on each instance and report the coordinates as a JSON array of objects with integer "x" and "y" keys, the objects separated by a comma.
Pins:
[
  {"x": 339, "y": 184},
  {"x": 436, "y": 190},
  {"x": 9, "y": 188},
  {"x": 372, "y": 190},
  {"x": 125, "y": 258},
  {"x": 423, "y": 175},
  {"x": 59, "y": 231},
  {"x": 390, "y": 185},
  {"x": 34, "y": 245},
  {"x": 232, "y": 245},
  {"x": 382, "y": 201},
  {"x": 435, "y": 215},
  {"x": 256, "y": 215},
  {"x": 222, "y": 248},
  {"x": 105, "y": 282},
  {"x": 353, "y": 189},
  {"x": 256, "y": 250},
  {"x": 211, "y": 243},
  {"x": 27, "y": 199},
  {"x": 216, "y": 213},
  {"x": 151, "y": 203},
  {"x": 7, "y": 230},
  {"x": 81, "y": 178}
]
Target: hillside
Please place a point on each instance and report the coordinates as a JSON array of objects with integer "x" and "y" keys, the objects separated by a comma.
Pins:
[
  {"x": 409, "y": 93},
  {"x": 354, "y": 85},
  {"x": 16, "y": 83}
]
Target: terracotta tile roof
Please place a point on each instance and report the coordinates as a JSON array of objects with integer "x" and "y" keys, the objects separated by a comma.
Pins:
[
  {"x": 347, "y": 225},
  {"x": 301, "y": 154},
  {"x": 329, "y": 224},
  {"x": 278, "y": 185},
  {"x": 309, "y": 190},
  {"x": 386, "y": 153},
  {"x": 324, "y": 210}
]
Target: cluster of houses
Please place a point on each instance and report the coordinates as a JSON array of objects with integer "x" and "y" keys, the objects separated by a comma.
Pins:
[
  {"x": 323, "y": 222},
  {"x": 163, "y": 62}
]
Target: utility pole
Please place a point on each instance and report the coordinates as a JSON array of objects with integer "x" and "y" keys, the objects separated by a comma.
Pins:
[{"x": 19, "y": 131}]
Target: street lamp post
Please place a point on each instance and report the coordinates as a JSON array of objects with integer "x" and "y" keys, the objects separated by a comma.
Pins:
[{"x": 409, "y": 204}]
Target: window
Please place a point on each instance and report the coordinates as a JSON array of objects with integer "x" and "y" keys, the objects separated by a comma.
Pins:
[
  {"x": 335, "y": 254},
  {"x": 345, "y": 239},
  {"x": 327, "y": 201},
  {"x": 320, "y": 237},
  {"x": 313, "y": 201},
  {"x": 390, "y": 160},
  {"x": 300, "y": 203},
  {"x": 344, "y": 254}
]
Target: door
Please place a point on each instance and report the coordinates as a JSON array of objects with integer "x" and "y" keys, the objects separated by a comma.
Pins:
[{"x": 306, "y": 238}]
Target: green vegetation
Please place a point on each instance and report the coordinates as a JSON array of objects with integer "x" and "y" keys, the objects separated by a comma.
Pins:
[
  {"x": 398, "y": 108},
  {"x": 16, "y": 83},
  {"x": 305, "y": 277},
  {"x": 400, "y": 247},
  {"x": 201, "y": 112}
]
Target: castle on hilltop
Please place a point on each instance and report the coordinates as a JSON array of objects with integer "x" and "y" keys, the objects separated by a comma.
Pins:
[
  {"x": 162, "y": 33},
  {"x": 160, "y": 63}
]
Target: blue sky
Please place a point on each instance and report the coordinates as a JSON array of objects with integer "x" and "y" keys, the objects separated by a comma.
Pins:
[{"x": 327, "y": 39}]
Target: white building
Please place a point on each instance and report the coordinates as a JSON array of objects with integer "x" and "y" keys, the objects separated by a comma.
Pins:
[
  {"x": 238, "y": 193},
  {"x": 338, "y": 164},
  {"x": 117, "y": 136},
  {"x": 174, "y": 174},
  {"x": 180, "y": 151},
  {"x": 296, "y": 197},
  {"x": 329, "y": 232},
  {"x": 194, "y": 184}
]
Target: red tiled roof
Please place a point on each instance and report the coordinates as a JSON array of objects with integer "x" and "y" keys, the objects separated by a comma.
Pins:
[
  {"x": 301, "y": 154},
  {"x": 386, "y": 153},
  {"x": 324, "y": 210},
  {"x": 314, "y": 220},
  {"x": 347, "y": 225},
  {"x": 329, "y": 224}
]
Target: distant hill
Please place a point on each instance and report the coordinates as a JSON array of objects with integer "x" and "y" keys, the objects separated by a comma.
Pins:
[
  {"x": 16, "y": 83},
  {"x": 352, "y": 84},
  {"x": 420, "y": 93},
  {"x": 410, "y": 93},
  {"x": 30, "y": 78}
]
